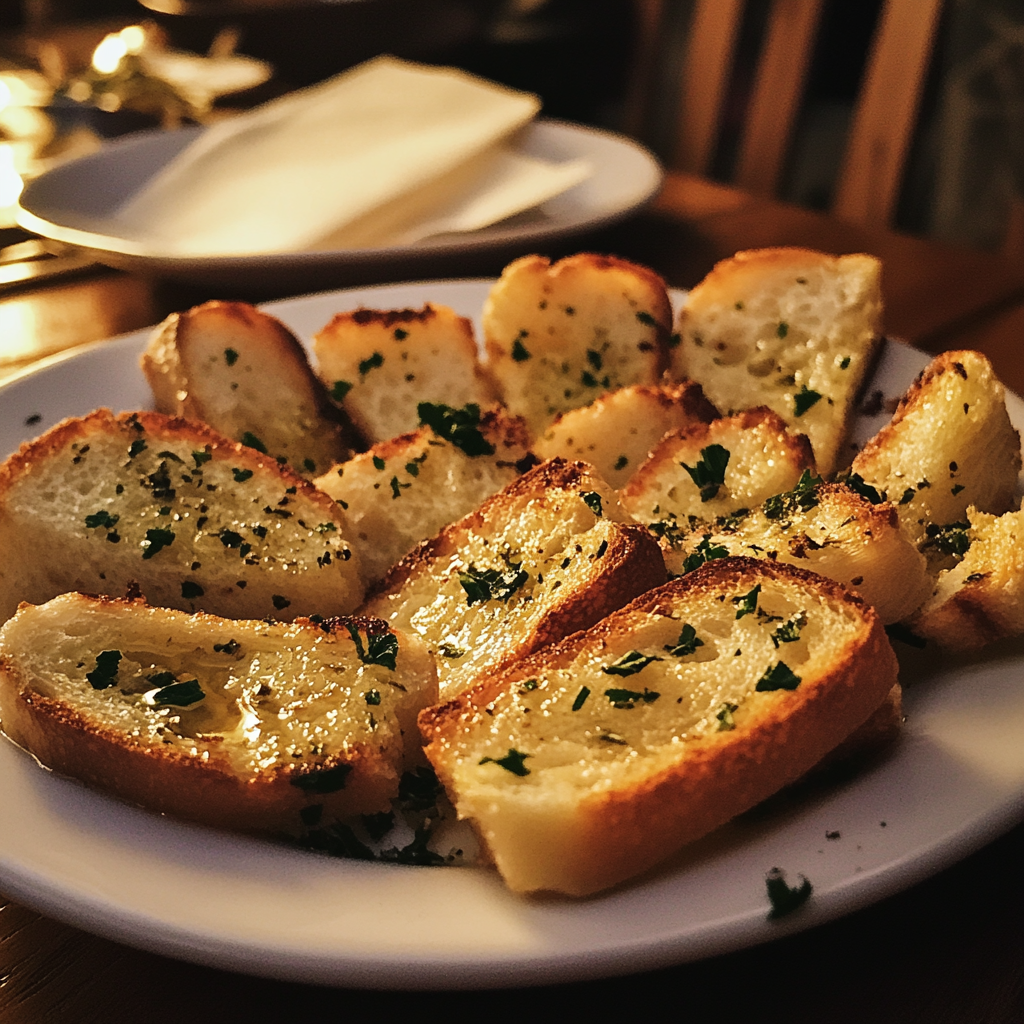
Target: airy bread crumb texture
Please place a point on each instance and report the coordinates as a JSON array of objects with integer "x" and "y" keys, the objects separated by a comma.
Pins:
[
  {"x": 194, "y": 520},
  {"x": 598, "y": 757},
  {"x": 238, "y": 724},
  {"x": 791, "y": 329},
  {"x": 559, "y": 335},
  {"x": 380, "y": 364}
]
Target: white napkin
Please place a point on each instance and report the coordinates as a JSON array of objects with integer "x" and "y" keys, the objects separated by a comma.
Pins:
[{"x": 388, "y": 153}]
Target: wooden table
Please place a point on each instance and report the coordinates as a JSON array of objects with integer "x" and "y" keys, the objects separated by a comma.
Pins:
[{"x": 950, "y": 949}]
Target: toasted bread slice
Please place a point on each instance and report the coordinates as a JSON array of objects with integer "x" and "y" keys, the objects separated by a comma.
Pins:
[
  {"x": 717, "y": 468},
  {"x": 236, "y": 724},
  {"x": 559, "y": 335},
  {"x": 981, "y": 598},
  {"x": 380, "y": 364},
  {"x": 826, "y": 528},
  {"x": 404, "y": 490},
  {"x": 616, "y": 432},
  {"x": 949, "y": 445},
  {"x": 198, "y": 522},
  {"x": 243, "y": 373},
  {"x": 549, "y": 554},
  {"x": 598, "y": 757},
  {"x": 792, "y": 329}
]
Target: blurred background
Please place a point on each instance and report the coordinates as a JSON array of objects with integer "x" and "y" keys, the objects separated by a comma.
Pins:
[{"x": 73, "y": 72}]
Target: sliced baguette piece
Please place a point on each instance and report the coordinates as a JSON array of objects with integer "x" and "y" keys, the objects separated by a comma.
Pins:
[
  {"x": 550, "y": 554},
  {"x": 617, "y": 431},
  {"x": 792, "y": 329},
  {"x": 243, "y": 373},
  {"x": 197, "y": 521},
  {"x": 717, "y": 468},
  {"x": 380, "y": 364},
  {"x": 826, "y": 528},
  {"x": 237, "y": 724},
  {"x": 578, "y": 779},
  {"x": 403, "y": 491},
  {"x": 558, "y": 335},
  {"x": 981, "y": 598},
  {"x": 949, "y": 445}
]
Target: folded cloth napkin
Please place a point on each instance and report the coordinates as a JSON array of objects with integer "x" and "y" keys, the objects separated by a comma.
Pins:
[{"x": 387, "y": 153}]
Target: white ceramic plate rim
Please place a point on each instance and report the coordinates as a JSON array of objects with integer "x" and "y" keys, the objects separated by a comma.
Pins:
[
  {"x": 72, "y": 203},
  {"x": 953, "y": 783}
]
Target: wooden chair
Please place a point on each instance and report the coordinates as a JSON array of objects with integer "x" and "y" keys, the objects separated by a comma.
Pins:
[{"x": 884, "y": 115}]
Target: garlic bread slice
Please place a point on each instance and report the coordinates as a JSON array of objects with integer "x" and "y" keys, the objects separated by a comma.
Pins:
[
  {"x": 596, "y": 758},
  {"x": 791, "y": 329},
  {"x": 559, "y": 335},
  {"x": 236, "y": 724},
  {"x": 243, "y": 373}
]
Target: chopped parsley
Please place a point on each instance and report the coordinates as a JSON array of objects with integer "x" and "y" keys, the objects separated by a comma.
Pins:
[
  {"x": 381, "y": 648},
  {"x": 687, "y": 643},
  {"x": 231, "y": 647},
  {"x": 450, "y": 650},
  {"x": 280, "y": 601},
  {"x": 105, "y": 672},
  {"x": 783, "y": 898},
  {"x": 372, "y": 697},
  {"x": 520, "y": 353},
  {"x": 724, "y": 716},
  {"x": 581, "y": 698},
  {"x": 626, "y": 700},
  {"x": 629, "y": 664},
  {"x": 339, "y": 389},
  {"x": 705, "y": 551},
  {"x": 378, "y": 463},
  {"x": 621, "y": 462},
  {"x": 950, "y": 539},
  {"x": 857, "y": 483},
  {"x": 250, "y": 440},
  {"x": 419, "y": 789},
  {"x": 241, "y": 475},
  {"x": 200, "y": 457},
  {"x": 370, "y": 363},
  {"x": 802, "y": 498},
  {"x": 646, "y": 318},
  {"x": 778, "y": 677},
  {"x": 323, "y": 780},
  {"x": 101, "y": 518},
  {"x": 459, "y": 426},
  {"x": 191, "y": 589},
  {"x": 396, "y": 488},
  {"x": 782, "y": 330},
  {"x": 492, "y": 584},
  {"x": 178, "y": 695},
  {"x": 804, "y": 399},
  {"x": 709, "y": 473},
  {"x": 746, "y": 604},
  {"x": 789, "y": 631},
  {"x": 845, "y": 363},
  {"x": 156, "y": 540},
  {"x": 594, "y": 358},
  {"x": 511, "y": 762},
  {"x": 138, "y": 445},
  {"x": 325, "y": 528},
  {"x": 593, "y": 501},
  {"x": 230, "y": 356}
]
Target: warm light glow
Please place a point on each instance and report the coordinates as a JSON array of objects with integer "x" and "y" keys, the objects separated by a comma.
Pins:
[
  {"x": 134, "y": 38},
  {"x": 10, "y": 181},
  {"x": 107, "y": 56},
  {"x": 5, "y": 94}
]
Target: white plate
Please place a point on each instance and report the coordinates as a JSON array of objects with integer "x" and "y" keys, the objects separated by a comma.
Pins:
[
  {"x": 954, "y": 782},
  {"x": 74, "y": 202}
]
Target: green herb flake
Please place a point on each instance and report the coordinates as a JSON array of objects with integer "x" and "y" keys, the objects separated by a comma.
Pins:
[
  {"x": 459, "y": 426},
  {"x": 241, "y": 475},
  {"x": 101, "y": 518},
  {"x": 789, "y": 631},
  {"x": 709, "y": 473},
  {"x": 179, "y": 695},
  {"x": 370, "y": 363},
  {"x": 156, "y": 540},
  {"x": 378, "y": 463},
  {"x": 782, "y": 330},
  {"x": 400, "y": 334},
  {"x": 950, "y": 539},
  {"x": 191, "y": 589},
  {"x": 858, "y": 484},
  {"x": 511, "y": 762},
  {"x": 908, "y": 496},
  {"x": 594, "y": 358},
  {"x": 231, "y": 647},
  {"x": 412, "y": 468},
  {"x": 339, "y": 389},
  {"x": 687, "y": 643},
  {"x": 783, "y": 898},
  {"x": 105, "y": 672},
  {"x": 450, "y": 650},
  {"x": 747, "y": 603},
  {"x": 323, "y": 780},
  {"x": 778, "y": 677},
  {"x": 230, "y": 356},
  {"x": 802, "y": 498},
  {"x": 581, "y": 698},
  {"x": 200, "y": 458},
  {"x": 956, "y": 489},
  {"x": 381, "y": 647},
  {"x": 372, "y": 697},
  {"x": 397, "y": 488},
  {"x": 492, "y": 584},
  {"x": 530, "y": 684},
  {"x": 309, "y": 465},
  {"x": 250, "y": 440},
  {"x": 626, "y": 700},
  {"x": 621, "y": 462},
  {"x": 629, "y": 664},
  {"x": 845, "y": 363},
  {"x": 280, "y": 601},
  {"x": 804, "y": 399},
  {"x": 705, "y": 551},
  {"x": 520, "y": 353},
  {"x": 593, "y": 501},
  {"x": 138, "y": 445},
  {"x": 724, "y": 716}
]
